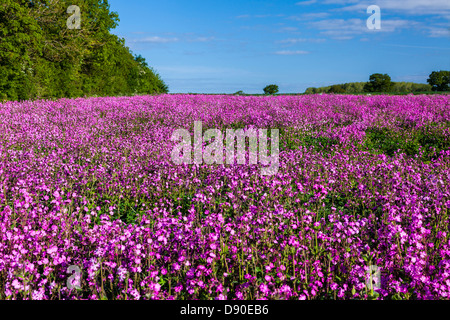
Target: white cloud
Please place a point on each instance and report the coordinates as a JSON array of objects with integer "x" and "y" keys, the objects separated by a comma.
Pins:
[
  {"x": 259, "y": 16},
  {"x": 417, "y": 47},
  {"x": 342, "y": 29},
  {"x": 411, "y": 7},
  {"x": 161, "y": 40},
  {"x": 297, "y": 40},
  {"x": 309, "y": 16},
  {"x": 392, "y": 25},
  {"x": 201, "y": 39},
  {"x": 343, "y": 37},
  {"x": 438, "y": 32},
  {"x": 289, "y": 29},
  {"x": 305, "y": 3},
  {"x": 155, "y": 39},
  {"x": 289, "y": 52}
]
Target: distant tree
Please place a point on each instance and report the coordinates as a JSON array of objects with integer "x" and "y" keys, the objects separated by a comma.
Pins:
[
  {"x": 358, "y": 87},
  {"x": 271, "y": 89},
  {"x": 378, "y": 83},
  {"x": 239, "y": 92},
  {"x": 336, "y": 88},
  {"x": 420, "y": 87},
  {"x": 439, "y": 80},
  {"x": 355, "y": 87}
]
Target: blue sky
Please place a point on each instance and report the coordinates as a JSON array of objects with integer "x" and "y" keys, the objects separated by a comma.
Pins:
[{"x": 225, "y": 46}]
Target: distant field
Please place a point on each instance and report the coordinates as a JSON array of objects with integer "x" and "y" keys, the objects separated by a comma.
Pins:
[{"x": 89, "y": 184}]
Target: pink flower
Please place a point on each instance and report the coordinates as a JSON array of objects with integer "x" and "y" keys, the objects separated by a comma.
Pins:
[{"x": 264, "y": 288}]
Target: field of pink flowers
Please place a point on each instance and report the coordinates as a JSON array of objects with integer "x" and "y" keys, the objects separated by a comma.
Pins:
[{"x": 90, "y": 183}]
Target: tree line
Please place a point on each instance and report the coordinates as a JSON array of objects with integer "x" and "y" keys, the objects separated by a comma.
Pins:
[
  {"x": 381, "y": 83},
  {"x": 41, "y": 57}
]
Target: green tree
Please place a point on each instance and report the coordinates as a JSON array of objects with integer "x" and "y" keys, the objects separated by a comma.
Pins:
[
  {"x": 41, "y": 58},
  {"x": 356, "y": 87},
  {"x": 378, "y": 83},
  {"x": 420, "y": 87},
  {"x": 271, "y": 89},
  {"x": 336, "y": 88},
  {"x": 20, "y": 40},
  {"x": 439, "y": 80}
]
